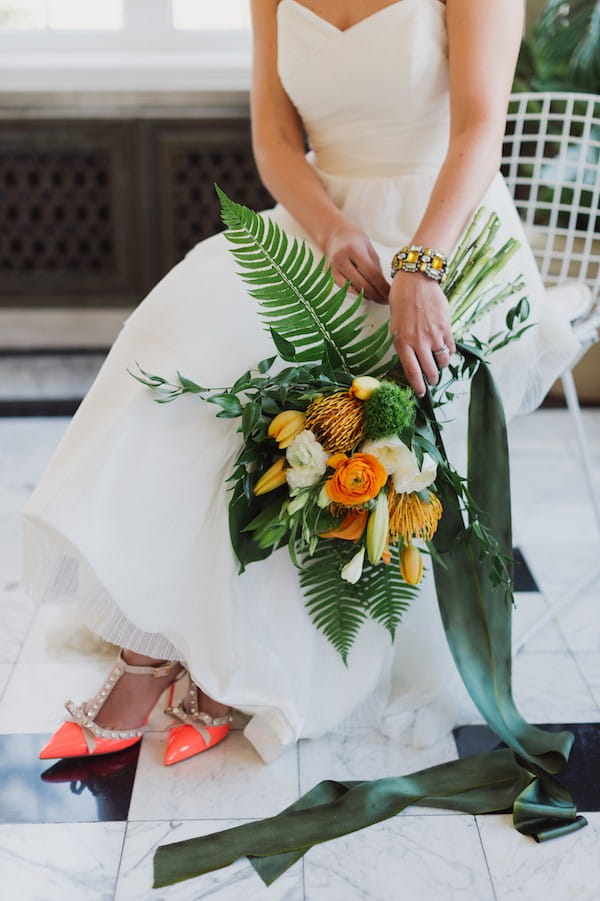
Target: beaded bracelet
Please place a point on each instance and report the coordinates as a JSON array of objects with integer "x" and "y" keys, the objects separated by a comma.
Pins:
[{"x": 415, "y": 258}]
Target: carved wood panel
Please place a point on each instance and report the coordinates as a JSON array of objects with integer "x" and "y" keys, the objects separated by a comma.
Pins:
[{"x": 94, "y": 212}]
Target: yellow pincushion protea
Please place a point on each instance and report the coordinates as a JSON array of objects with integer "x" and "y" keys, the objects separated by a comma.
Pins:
[
  {"x": 410, "y": 517},
  {"x": 336, "y": 420}
]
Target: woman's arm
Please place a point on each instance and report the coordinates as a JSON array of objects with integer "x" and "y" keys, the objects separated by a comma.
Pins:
[
  {"x": 278, "y": 144},
  {"x": 483, "y": 41}
]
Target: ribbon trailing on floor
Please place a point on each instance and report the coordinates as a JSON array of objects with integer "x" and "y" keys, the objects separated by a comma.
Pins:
[{"x": 477, "y": 621}]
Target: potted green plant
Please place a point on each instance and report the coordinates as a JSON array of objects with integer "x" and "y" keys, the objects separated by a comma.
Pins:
[{"x": 562, "y": 50}]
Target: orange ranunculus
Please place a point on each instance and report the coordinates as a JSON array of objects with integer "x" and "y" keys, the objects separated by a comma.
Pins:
[
  {"x": 356, "y": 480},
  {"x": 350, "y": 528}
]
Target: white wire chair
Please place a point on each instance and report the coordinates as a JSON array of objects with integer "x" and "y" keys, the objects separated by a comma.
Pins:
[{"x": 551, "y": 163}]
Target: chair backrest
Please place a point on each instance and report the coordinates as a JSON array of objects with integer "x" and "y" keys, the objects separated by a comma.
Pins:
[{"x": 551, "y": 162}]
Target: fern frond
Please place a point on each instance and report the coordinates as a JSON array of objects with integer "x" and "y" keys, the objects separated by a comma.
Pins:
[
  {"x": 385, "y": 593},
  {"x": 338, "y": 608},
  {"x": 297, "y": 295},
  {"x": 335, "y": 606}
]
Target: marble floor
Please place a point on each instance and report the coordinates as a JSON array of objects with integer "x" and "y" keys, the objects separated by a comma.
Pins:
[{"x": 88, "y": 834}]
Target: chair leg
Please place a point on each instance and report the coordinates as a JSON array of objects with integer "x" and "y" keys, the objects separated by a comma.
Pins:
[{"x": 568, "y": 384}]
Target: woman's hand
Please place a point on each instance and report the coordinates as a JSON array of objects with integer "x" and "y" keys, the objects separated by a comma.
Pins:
[
  {"x": 420, "y": 324},
  {"x": 353, "y": 259}
]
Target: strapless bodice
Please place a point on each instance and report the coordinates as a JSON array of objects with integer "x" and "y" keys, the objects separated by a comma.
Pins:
[{"x": 373, "y": 98}]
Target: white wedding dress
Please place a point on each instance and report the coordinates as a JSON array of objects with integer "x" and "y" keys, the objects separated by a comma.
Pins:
[{"x": 130, "y": 516}]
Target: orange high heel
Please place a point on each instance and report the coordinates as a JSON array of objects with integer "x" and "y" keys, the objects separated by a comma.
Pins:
[
  {"x": 199, "y": 731},
  {"x": 82, "y": 737}
]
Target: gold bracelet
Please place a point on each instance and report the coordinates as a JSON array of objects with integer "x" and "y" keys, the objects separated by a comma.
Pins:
[{"x": 416, "y": 258}]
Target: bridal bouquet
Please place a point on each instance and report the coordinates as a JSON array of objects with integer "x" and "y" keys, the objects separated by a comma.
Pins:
[{"x": 338, "y": 460}]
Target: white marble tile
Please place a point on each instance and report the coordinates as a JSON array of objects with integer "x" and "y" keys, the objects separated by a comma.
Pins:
[
  {"x": 58, "y": 862},
  {"x": 541, "y": 430},
  {"x": 579, "y": 620},
  {"x": 558, "y": 567},
  {"x": 36, "y": 692},
  {"x": 530, "y": 606},
  {"x": 405, "y": 857},
  {"x": 589, "y": 664},
  {"x": 564, "y": 523},
  {"x": 367, "y": 754},
  {"x": 564, "y": 869},
  {"x": 230, "y": 780},
  {"x": 239, "y": 881},
  {"x": 548, "y": 688}
]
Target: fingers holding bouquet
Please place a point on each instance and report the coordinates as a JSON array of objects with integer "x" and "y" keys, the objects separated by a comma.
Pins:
[
  {"x": 353, "y": 259},
  {"x": 420, "y": 324}
]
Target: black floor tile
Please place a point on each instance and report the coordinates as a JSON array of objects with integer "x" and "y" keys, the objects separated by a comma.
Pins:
[
  {"x": 582, "y": 774},
  {"x": 524, "y": 580},
  {"x": 80, "y": 790}
]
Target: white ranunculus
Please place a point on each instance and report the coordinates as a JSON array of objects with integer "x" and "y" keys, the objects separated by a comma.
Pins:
[
  {"x": 307, "y": 459},
  {"x": 413, "y": 478},
  {"x": 352, "y": 571},
  {"x": 392, "y": 453},
  {"x": 401, "y": 464}
]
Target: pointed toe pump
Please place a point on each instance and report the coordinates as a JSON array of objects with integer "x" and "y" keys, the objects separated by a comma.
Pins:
[
  {"x": 81, "y": 736},
  {"x": 198, "y": 730}
]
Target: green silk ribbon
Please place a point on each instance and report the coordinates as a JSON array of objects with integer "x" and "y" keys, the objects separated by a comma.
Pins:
[{"x": 477, "y": 621}]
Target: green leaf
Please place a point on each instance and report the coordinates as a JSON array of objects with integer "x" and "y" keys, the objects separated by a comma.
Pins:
[
  {"x": 190, "y": 386},
  {"x": 386, "y": 595},
  {"x": 251, "y": 417},
  {"x": 285, "y": 349},
  {"x": 241, "y": 511},
  {"x": 229, "y": 404},
  {"x": 265, "y": 365},
  {"x": 265, "y": 517},
  {"x": 298, "y": 297},
  {"x": 335, "y": 606}
]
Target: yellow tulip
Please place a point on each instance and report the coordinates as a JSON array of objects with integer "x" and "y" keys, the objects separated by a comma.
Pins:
[
  {"x": 378, "y": 528},
  {"x": 272, "y": 478},
  {"x": 363, "y": 387},
  {"x": 285, "y": 426},
  {"x": 411, "y": 564}
]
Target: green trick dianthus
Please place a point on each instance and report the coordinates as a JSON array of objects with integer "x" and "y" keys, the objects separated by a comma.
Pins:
[{"x": 390, "y": 410}]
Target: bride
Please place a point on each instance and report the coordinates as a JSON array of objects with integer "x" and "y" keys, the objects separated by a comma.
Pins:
[{"x": 404, "y": 108}]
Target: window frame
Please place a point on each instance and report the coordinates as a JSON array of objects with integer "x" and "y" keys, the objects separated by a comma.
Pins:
[{"x": 128, "y": 57}]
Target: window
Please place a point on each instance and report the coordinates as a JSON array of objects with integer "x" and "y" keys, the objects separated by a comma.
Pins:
[
  {"x": 193, "y": 40},
  {"x": 36, "y": 15},
  {"x": 73, "y": 15},
  {"x": 198, "y": 14}
]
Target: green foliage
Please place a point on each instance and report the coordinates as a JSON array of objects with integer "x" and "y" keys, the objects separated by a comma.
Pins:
[
  {"x": 310, "y": 322},
  {"x": 339, "y": 608},
  {"x": 390, "y": 410},
  {"x": 385, "y": 593},
  {"x": 563, "y": 50},
  {"x": 322, "y": 336}
]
